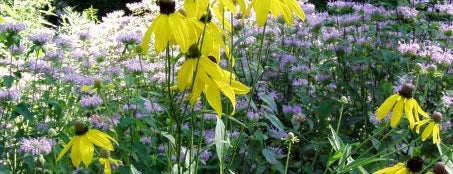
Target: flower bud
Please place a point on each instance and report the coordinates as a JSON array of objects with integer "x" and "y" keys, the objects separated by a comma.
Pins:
[
  {"x": 52, "y": 132},
  {"x": 104, "y": 153},
  {"x": 418, "y": 67},
  {"x": 431, "y": 68},
  {"x": 439, "y": 168},
  {"x": 437, "y": 117},
  {"x": 344, "y": 100}
]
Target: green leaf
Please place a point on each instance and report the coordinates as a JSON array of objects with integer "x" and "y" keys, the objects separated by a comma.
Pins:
[
  {"x": 134, "y": 170},
  {"x": 8, "y": 81},
  {"x": 22, "y": 109},
  {"x": 360, "y": 162},
  {"x": 220, "y": 139},
  {"x": 335, "y": 140},
  {"x": 169, "y": 137},
  {"x": 274, "y": 120},
  {"x": 270, "y": 102},
  {"x": 270, "y": 156},
  {"x": 335, "y": 157}
]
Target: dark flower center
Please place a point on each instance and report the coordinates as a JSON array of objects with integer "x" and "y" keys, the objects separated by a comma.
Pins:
[
  {"x": 166, "y": 6},
  {"x": 80, "y": 128},
  {"x": 206, "y": 18},
  {"x": 104, "y": 153},
  {"x": 437, "y": 117},
  {"x": 406, "y": 90},
  {"x": 439, "y": 168},
  {"x": 415, "y": 164},
  {"x": 194, "y": 52}
]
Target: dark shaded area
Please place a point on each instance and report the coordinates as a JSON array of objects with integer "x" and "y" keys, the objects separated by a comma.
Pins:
[{"x": 103, "y": 6}]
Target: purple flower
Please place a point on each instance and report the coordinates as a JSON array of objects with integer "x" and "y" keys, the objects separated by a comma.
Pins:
[
  {"x": 12, "y": 28},
  {"x": 9, "y": 94},
  {"x": 208, "y": 136},
  {"x": 36, "y": 146},
  {"x": 99, "y": 122},
  {"x": 152, "y": 107},
  {"x": 91, "y": 101},
  {"x": 57, "y": 55},
  {"x": 40, "y": 38},
  {"x": 447, "y": 100},
  {"x": 130, "y": 38},
  {"x": 210, "y": 116},
  {"x": 83, "y": 35},
  {"x": 300, "y": 82},
  {"x": 204, "y": 156},
  {"x": 42, "y": 127},
  {"x": 288, "y": 109},
  {"x": 15, "y": 50},
  {"x": 373, "y": 120},
  {"x": 445, "y": 126},
  {"x": 64, "y": 42},
  {"x": 253, "y": 115},
  {"x": 322, "y": 77},
  {"x": 407, "y": 12},
  {"x": 277, "y": 134},
  {"x": 145, "y": 140}
]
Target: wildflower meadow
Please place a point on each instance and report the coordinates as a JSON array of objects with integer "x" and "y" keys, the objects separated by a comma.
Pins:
[{"x": 228, "y": 87}]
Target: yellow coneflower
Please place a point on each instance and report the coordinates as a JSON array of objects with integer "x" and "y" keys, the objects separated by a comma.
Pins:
[
  {"x": 403, "y": 100},
  {"x": 433, "y": 127},
  {"x": 169, "y": 27},
  {"x": 81, "y": 144},
  {"x": 209, "y": 79},
  {"x": 107, "y": 161},
  {"x": 285, "y": 8},
  {"x": 413, "y": 165}
]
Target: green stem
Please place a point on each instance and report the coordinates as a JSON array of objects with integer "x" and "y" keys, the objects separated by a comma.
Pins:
[{"x": 287, "y": 156}]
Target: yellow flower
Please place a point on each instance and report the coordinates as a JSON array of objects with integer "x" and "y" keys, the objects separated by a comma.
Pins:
[
  {"x": 96, "y": 86},
  {"x": 276, "y": 8},
  {"x": 209, "y": 79},
  {"x": 413, "y": 165},
  {"x": 433, "y": 127},
  {"x": 212, "y": 38},
  {"x": 107, "y": 164},
  {"x": 403, "y": 100},
  {"x": 107, "y": 161},
  {"x": 82, "y": 144},
  {"x": 169, "y": 27}
]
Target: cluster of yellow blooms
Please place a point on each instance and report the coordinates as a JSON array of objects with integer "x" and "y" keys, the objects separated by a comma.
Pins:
[
  {"x": 193, "y": 30},
  {"x": 403, "y": 102},
  {"x": 82, "y": 147}
]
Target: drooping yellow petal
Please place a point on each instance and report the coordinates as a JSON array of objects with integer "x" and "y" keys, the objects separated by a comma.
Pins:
[
  {"x": 436, "y": 133},
  {"x": 86, "y": 150},
  {"x": 101, "y": 139},
  {"x": 197, "y": 89},
  {"x": 213, "y": 96},
  {"x": 296, "y": 8},
  {"x": 419, "y": 124},
  {"x": 185, "y": 74},
  {"x": 420, "y": 111},
  {"x": 106, "y": 163},
  {"x": 76, "y": 157},
  {"x": 408, "y": 107},
  {"x": 179, "y": 30},
  {"x": 228, "y": 92},
  {"x": 162, "y": 33},
  {"x": 147, "y": 37},
  {"x": 428, "y": 130},
  {"x": 385, "y": 107},
  {"x": 261, "y": 8},
  {"x": 65, "y": 149},
  {"x": 397, "y": 112},
  {"x": 86, "y": 88}
]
